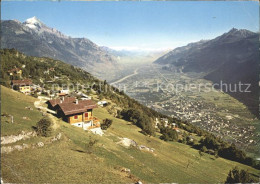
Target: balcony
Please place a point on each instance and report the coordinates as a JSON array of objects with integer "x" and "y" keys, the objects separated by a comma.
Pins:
[{"x": 95, "y": 123}]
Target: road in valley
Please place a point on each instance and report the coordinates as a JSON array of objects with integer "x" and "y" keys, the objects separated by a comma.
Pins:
[{"x": 126, "y": 77}]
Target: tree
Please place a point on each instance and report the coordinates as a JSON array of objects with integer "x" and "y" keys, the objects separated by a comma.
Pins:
[
  {"x": 168, "y": 134},
  {"x": 204, "y": 149},
  {"x": 43, "y": 127},
  {"x": 238, "y": 176},
  {"x": 165, "y": 137},
  {"x": 106, "y": 124},
  {"x": 173, "y": 135},
  {"x": 139, "y": 119},
  {"x": 89, "y": 146}
]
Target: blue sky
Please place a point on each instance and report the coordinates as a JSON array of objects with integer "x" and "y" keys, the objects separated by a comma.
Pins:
[{"x": 139, "y": 25}]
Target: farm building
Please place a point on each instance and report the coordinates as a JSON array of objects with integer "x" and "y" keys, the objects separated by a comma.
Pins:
[
  {"x": 52, "y": 104},
  {"x": 75, "y": 112},
  {"x": 15, "y": 72},
  {"x": 24, "y": 86}
]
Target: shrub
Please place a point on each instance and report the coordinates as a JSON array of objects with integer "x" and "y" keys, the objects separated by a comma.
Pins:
[
  {"x": 90, "y": 145},
  {"x": 168, "y": 134},
  {"x": 204, "y": 149},
  {"x": 165, "y": 137},
  {"x": 139, "y": 119},
  {"x": 238, "y": 176},
  {"x": 35, "y": 95},
  {"x": 43, "y": 127},
  {"x": 106, "y": 124}
]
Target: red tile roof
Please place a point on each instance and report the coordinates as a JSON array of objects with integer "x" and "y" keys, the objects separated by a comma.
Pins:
[
  {"x": 57, "y": 101},
  {"x": 73, "y": 108},
  {"x": 22, "y": 82},
  {"x": 62, "y": 94},
  {"x": 14, "y": 70}
]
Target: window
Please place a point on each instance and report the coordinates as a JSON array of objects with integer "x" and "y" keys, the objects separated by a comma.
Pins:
[
  {"x": 76, "y": 117},
  {"x": 86, "y": 115}
]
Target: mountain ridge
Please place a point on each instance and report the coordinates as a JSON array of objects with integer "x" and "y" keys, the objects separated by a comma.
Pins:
[
  {"x": 230, "y": 58},
  {"x": 34, "y": 38}
]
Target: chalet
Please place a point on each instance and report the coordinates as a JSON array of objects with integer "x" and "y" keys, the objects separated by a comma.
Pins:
[
  {"x": 53, "y": 104},
  {"x": 79, "y": 113},
  {"x": 166, "y": 122},
  {"x": 85, "y": 97},
  {"x": 62, "y": 94},
  {"x": 175, "y": 127},
  {"x": 23, "y": 86},
  {"x": 157, "y": 122},
  {"x": 66, "y": 91},
  {"x": 15, "y": 72}
]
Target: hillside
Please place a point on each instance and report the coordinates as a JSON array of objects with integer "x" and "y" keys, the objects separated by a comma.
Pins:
[
  {"x": 68, "y": 160},
  {"x": 131, "y": 120},
  {"x": 34, "y": 38},
  {"x": 230, "y": 58}
]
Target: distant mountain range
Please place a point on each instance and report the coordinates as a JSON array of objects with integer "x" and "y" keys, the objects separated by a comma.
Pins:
[
  {"x": 34, "y": 38},
  {"x": 231, "y": 58},
  {"x": 134, "y": 52}
]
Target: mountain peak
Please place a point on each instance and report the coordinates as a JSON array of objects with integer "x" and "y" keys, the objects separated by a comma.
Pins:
[
  {"x": 239, "y": 32},
  {"x": 33, "y": 20},
  {"x": 33, "y": 23},
  {"x": 233, "y": 30}
]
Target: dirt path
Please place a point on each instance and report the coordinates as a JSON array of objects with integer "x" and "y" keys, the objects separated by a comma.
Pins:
[
  {"x": 39, "y": 105},
  {"x": 50, "y": 113}
]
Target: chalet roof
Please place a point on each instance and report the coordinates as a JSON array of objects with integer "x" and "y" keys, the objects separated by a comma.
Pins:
[
  {"x": 57, "y": 101},
  {"x": 62, "y": 94},
  {"x": 14, "y": 70},
  {"x": 89, "y": 104},
  {"x": 22, "y": 82},
  {"x": 73, "y": 108}
]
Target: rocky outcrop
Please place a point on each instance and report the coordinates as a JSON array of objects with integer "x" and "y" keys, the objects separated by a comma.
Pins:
[
  {"x": 97, "y": 131},
  {"x": 126, "y": 142},
  {"x": 9, "y": 149},
  {"x": 14, "y": 138}
]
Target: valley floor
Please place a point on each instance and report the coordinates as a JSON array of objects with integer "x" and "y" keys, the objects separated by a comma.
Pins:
[{"x": 186, "y": 96}]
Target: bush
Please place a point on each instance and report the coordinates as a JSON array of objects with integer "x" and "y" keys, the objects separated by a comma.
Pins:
[
  {"x": 139, "y": 119},
  {"x": 165, "y": 137},
  {"x": 35, "y": 95},
  {"x": 89, "y": 147},
  {"x": 204, "y": 149},
  {"x": 106, "y": 124},
  {"x": 43, "y": 127},
  {"x": 168, "y": 134},
  {"x": 239, "y": 176}
]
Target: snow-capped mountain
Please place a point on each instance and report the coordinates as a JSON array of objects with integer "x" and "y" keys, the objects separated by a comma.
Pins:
[
  {"x": 34, "y": 38},
  {"x": 33, "y": 23},
  {"x": 39, "y": 27}
]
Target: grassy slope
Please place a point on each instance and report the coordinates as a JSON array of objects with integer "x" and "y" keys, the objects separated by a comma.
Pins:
[
  {"x": 10, "y": 105},
  {"x": 65, "y": 161}
]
